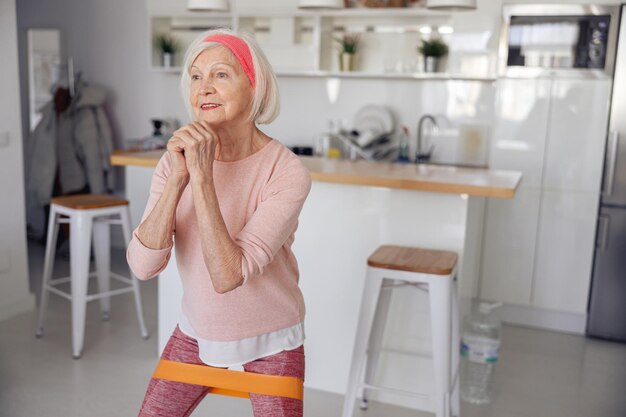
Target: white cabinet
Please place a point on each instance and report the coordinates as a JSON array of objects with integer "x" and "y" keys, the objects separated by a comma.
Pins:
[
  {"x": 577, "y": 132},
  {"x": 538, "y": 248},
  {"x": 508, "y": 251},
  {"x": 521, "y": 120},
  {"x": 518, "y": 143},
  {"x": 564, "y": 253}
]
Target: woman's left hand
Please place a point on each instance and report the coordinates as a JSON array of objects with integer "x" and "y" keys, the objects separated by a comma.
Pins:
[{"x": 199, "y": 142}]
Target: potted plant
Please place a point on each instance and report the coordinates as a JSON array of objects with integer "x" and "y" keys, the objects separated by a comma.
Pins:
[
  {"x": 349, "y": 44},
  {"x": 433, "y": 50},
  {"x": 167, "y": 45}
]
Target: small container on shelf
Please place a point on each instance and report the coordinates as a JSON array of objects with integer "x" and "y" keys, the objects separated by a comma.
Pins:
[
  {"x": 433, "y": 50},
  {"x": 167, "y": 46}
]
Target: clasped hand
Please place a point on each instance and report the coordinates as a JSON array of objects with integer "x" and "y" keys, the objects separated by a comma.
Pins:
[{"x": 192, "y": 150}]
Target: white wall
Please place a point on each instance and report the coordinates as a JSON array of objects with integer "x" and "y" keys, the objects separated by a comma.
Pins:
[
  {"x": 109, "y": 43},
  {"x": 14, "y": 296}
]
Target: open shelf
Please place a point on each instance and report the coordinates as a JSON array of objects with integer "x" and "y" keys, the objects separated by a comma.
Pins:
[
  {"x": 302, "y": 43},
  {"x": 360, "y": 75},
  {"x": 349, "y": 12},
  {"x": 390, "y": 76}
]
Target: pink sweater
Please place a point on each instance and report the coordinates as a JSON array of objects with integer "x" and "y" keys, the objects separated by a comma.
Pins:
[{"x": 260, "y": 198}]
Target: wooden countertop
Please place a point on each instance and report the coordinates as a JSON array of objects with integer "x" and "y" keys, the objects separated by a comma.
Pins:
[
  {"x": 134, "y": 158},
  {"x": 421, "y": 177}
]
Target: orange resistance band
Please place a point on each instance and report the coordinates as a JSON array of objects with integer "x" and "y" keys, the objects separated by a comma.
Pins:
[{"x": 227, "y": 382}]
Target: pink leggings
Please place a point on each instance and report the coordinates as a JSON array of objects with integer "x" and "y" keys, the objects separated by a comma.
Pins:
[{"x": 176, "y": 399}]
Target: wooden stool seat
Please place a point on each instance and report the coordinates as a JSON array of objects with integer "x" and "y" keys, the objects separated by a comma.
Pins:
[
  {"x": 402, "y": 258},
  {"x": 88, "y": 201}
]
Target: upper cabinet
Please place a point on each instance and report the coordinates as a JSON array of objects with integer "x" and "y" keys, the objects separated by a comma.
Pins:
[
  {"x": 304, "y": 42},
  {"x": 520, "y": 129},
  {"x": 575, "y": 152}
]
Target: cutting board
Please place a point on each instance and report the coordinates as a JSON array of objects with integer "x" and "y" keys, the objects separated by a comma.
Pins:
[
  {"x": 465, "y": 145},
  {"x": 473, "y": 146}
]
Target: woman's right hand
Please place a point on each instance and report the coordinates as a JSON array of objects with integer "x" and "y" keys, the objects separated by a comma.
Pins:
[{"x": 179, "y": 174}]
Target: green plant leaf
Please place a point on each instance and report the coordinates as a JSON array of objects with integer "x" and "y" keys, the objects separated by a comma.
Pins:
[
  {"x": 349, "y": 42},
  {"x": 166, "y": 43},
  {"x": 434, "y": 47}
]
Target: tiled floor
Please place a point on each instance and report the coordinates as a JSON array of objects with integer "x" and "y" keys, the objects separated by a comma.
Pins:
[{"x": 541, "y": 374}]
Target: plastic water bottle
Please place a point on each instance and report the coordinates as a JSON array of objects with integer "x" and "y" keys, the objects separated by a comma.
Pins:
[{"x": 480, "y": 348}]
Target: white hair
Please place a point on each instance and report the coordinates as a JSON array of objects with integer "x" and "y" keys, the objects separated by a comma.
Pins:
[{"x": 265, "y": 101}]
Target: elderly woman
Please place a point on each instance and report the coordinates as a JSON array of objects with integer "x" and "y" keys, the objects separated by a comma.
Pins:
[{"x": 229, "y": 196}]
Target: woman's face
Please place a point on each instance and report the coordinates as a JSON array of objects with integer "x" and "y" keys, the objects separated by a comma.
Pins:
[{"x": 220, "y": 90}]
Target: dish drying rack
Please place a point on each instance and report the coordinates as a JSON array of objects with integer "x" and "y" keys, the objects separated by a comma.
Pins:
[{"x": 376, "y": 151}]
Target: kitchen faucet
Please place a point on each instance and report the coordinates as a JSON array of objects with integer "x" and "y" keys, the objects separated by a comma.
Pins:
[{"x": 420, "y": 155}]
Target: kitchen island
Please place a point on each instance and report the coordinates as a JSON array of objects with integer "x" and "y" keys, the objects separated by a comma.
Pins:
[{"x": 353, "y": 208}]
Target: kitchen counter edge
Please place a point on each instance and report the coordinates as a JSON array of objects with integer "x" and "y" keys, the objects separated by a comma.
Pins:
[{"x": 419, "y": 177}]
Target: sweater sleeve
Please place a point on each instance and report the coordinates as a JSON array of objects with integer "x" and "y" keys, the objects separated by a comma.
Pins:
[
  {"x": 275, "y": 219},
  {"x": 145, "y": 262}
]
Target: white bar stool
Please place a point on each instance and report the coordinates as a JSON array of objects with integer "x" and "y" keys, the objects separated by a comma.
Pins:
[
  {"x": 83, "y": 212},
  {"x": 435, "y": 270}
]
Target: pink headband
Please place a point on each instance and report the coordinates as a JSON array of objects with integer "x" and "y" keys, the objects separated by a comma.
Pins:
[{"x": 241, "y": 51}]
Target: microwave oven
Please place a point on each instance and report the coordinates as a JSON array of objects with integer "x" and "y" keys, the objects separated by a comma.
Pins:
[{"x": 561, "y": 40}]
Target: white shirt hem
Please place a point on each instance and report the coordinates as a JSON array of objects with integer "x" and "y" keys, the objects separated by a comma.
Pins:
[{"x": 238, "y": 352}]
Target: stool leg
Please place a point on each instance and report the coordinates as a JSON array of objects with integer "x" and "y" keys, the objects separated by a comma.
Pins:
[
  {"x": 127, "y": 236},
  {"x": 440, "y": 295},
  {"x": 80, "y": 251},
  {"x": 455, "y": 406},
  {"x": 102, "y": 249},
  {"x": 376, "y": 339},
  {"x": 48, "y": 267},
  {"x": 369, "y": 299}
]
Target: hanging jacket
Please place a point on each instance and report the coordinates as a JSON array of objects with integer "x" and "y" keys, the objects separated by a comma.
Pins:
[{"x": 78, "y": 143}]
